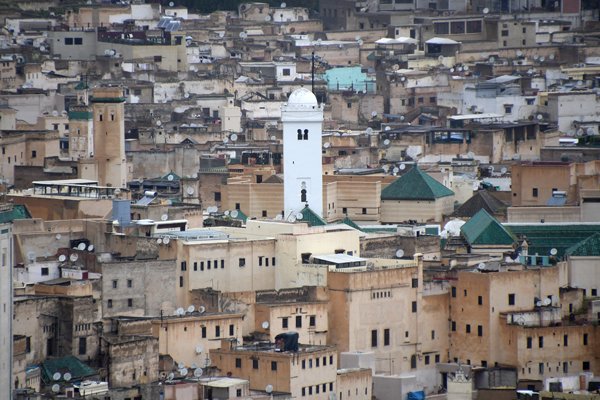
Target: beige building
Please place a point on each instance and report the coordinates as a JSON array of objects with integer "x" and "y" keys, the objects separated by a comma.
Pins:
[
  {"x": 26, "y": 148},
  {"x": 530, "y": 186},
  {"x": 311, "y": 372}
]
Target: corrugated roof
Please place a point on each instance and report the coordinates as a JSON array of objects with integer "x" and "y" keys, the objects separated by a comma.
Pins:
[
  {"x": 415, "y": 185},
  {"x": 483, "y": 229},
  {"x": 589, "y": 247}
]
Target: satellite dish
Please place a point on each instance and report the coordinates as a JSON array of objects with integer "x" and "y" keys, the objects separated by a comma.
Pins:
[
  {"x": 452, "y": 69},
  {"x": 269, "y": 389},
  {"x": 56, "y": 388},
  {"x": 191, "y": 309},
  {"x": 164, "y": 217},
  {"x": 399, "y": 253},
  {"x": 538, "y": 303},
  {"x": 267, "y": 18},
  {"x": 198, "y": 372},
  {"x": 539, "y": 117},
  {"x": 55, "y": 113},
  {"x": 466, "y": 67},
  {"x": 225, "y": 140},
  {"x": 402, "y": 167},
  {"x": 283, "y": 5},
  {"x": 73, "y": 257},
  {"x": 227, "y": 213},
  {"x": 243, "y": 35},
  {"x": 234, "y": 214},
  {"x": 234, "y": 137},
  {"x": 542, "y": 59},
  {"x": 62, "y": 258},
  {"x": 486, "y": 10},
  {"x": 180, "y": 365},
  {"x": 199, "y": 349},
  {"x": 273, "y": 138},
  {"x": 292, "y": 218},
  {"x": 395, "y": 67},
  {"x": 265, "y": 325},
  {"x": 170, "y": 376},
  {"x": 373, "y": 114},
  {"x": 278, "y": 217},
  {"x": 299, "y": 216},
  {"x": 170, "y": 177},
  {"x": 212, "y": 209},
  {"x": 547, "y": 301},
  {"x": 360, "y": 42},
  {"x": 441, "y": 58},
  {"x": 388, "y": 128},
  {"x": 159, "y": 123},
  {"x": 81, "y": 246},
  {"x": 481, "y": 266},
  {"x": 326, "y": 145},
  {"x": 402, "y": 78},
  {"x": 171, "y": 4},
  {"x": 492, "y": 59},
  {"x": 553, "y": 251},
  {"x": 58, "y": 236},
  {"x": 90, "y": 248},
  {"x": 201, "y": 309},
  {"x": 386, "y": 142},
  {"x": 396, "y": 170},
  {"x": 519, "y": 53},
  {"x": 402, "y": 118},
  {"x": 57, "y": 376},
  {"x": 385, "y": 168},
  {"x": 190, "y": 190},
  {"x": 183, "y": 371},
  {"x": 31, "y": 256},
  {"x": 369, "y": 131},
  {"x": 67, "y": 377},
  {"x": 159, "y": 241},
  {"x": 551, "y": 56},
  {"x": 194, "y": 365},
  {"x": 180, "y": 311}
]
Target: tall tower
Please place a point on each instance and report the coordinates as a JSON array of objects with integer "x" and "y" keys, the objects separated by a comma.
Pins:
[
  {"x": 6, "y": 303},
  {"x": 302, "y": 119},
  {"x": 109, "y": 136}
]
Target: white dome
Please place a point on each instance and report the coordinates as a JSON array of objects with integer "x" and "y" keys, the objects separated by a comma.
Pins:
[{"x": 302, "y": 96}]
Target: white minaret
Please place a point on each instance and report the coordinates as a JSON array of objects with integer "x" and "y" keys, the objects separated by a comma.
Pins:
[{"x": 302, "y": 119}]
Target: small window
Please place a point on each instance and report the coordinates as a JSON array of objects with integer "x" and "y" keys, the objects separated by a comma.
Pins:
[
  {"x": 242, "y": 262},
  {"x": 414, "y": 306},
  {"x": 508, "y": 109},
  {"x": 222, "y": 264},
  {"x": 511, "y": 299},
  {"x": 586, "y": 366},
  {"x": 344, "y": 210},
  {"x": 312, "y": 321},
  {"x": 115, "y": 283},
  {"x": 69, "y": 41},
  {"x": 238, "y": 363},
  {"x": 386, "y": 337},
  {"x": 231, "y": 330},
  {"x": 181, "y": 281},
  {"x": 217, "y": 196},
  {"x": 157, "y": 58},
  {"x": 479, "y": 330},
  {"x": 45, "y": 271},
  {"x": 364, "y": 211},
  {"x": 413, "y": 361},
  {"x": 33, "y": 154},
  {"x": 204, "y": 332},
  {"x": 374, "y": 338},
  {"x": 426, "y": 360},
  {"x": 183, "y": 265},
  {"x": 217, "y": 331},
  {"x": 453, "y": 324},
  {"x": 585, "y": 339},
  {"x": 529, "y": 342},
  {"x": 504, "y": 33},
  {"x": 78, "y": 41},
  {"x": 195, "y": 266},
  {"x": 254, "y": 364},
  {"x": 286, "y": 72},
  {"x": 349, "y": 105},
  {"x": 109, "y": 303},
  {"x": 284, "y": 322},
  {"x": 541, "y": 342},
  {"x": 453, "y": 290},
  {"x": 129, "y": 302},
  {"x": 273, "y": 365},
  {"x": 415, "y": 282},
  {"x": 468, "y": 328},
  {"x": 264, "y": 213},
  {"x": 534, "y": 192},
  {"x": 303, "y": 364},
  {"x": 298, "y": 321},
  {"x": 82, "y": 345}
]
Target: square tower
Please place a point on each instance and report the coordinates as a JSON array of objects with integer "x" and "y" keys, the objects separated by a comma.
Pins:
[{"x": 302, "y": 119}]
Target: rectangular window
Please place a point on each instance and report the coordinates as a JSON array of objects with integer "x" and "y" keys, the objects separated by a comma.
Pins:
[
  {"x": 181, "y": 281},
  {"x": 242, "y": 262},
  {"x": 217, "y": 331},
  {"x": 504, "y": 33},
  {"x": 78, "y": 41},
  {"x": 468, "y": 328},
  {"x": 222, "y": 264},
  {"x": 479, "y": 330},
  {"x": 364, "y": 211},
  {"x": 303, "y": 364},
  {"x": 507, "y": 109},
  {"x": 201, "y": 265},
  {"x": 129, "y": 283},
  {"x": 260, "y": 258},
  {"x": 374, "y": 338},
  {"x": 529, "y": 342},
  {"x": 312, "y": 321},
  {"x": 474, "y": 26},
  {"x": 344, "y": 210},
  {"x": 109, "y": 303},
  {"x": 217, "y": 196},
  {"x": 453, "y": 324},
  {"x": 441, "y": 28},
  {"x": 511, "y": 299},
  {"x": 432, "y": 335},
  {"x": 415, "y": 282},
  {"x": 453, "y": 290},
  {"x": 457, "y": 27},
  {"x": 426, "y": 360},
  {"x": 69, "y": 41},
  {"x": 284, "y": 322},
  {"x": 386, "y": 337},
  {"x": 231, "y": 330},
  {"x": 45, "y": 271},
  {"x": 129, "y": 302},
  {"x": 414, "y": 306},
  {"x": 273, "y": 365},
  {"x": 238, "y": 363},
  {"x": 585, "y": 339},
  {"x": 286, "y": 72},
  {"x": 479, "y": 300},
  {"x": 273, "y": 261},
  {"x": 33, "y": 154},
  {"x": 208, "y": 264},
  {"x": 541, "y": 342},
  {"x": 565, "y": 340},
  {"x": 254, "y": 364},
  {"x": 534, "y": 192},
  {"x": 298, "y": 321},
  {"x": 541, "y": 368},
  {"x": 82, "y": 345},
  {"x": 204, "y": 332},
  {"x": 565, "y": 367},
  {"x": 437, "y": 358},
  {"x": 195, "y": 266},
  {"x": 586, "y": 366},
  {"x": 183, "y": 266},
  {"x": 330, "y": 363},
  {"x": 115, "y": 283}
]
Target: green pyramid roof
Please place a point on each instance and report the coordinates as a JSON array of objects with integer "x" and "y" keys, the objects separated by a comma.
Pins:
[
  {"x": 415, "y": 185},
  {"x": 239, "y": 215},
  {"x": 589, "y": 247},
  {"x": 17, "y": 211},
  {"x": 70, "y": 364},
  {"x": 485, "y": 229},
  {"x": 350, "y": 223},
  {"x": 310, "y": 217}
]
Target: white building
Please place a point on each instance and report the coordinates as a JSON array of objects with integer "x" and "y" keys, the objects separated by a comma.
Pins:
[
  {"x": 6, "y": 305},
  {"x": 302, "y": 119}
]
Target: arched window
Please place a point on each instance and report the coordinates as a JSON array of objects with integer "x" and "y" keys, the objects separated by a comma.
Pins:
[
  {"x": 303, "y": 195},
  {"x": 306, "y": 134},
  {"x": 299, "y": 134}
]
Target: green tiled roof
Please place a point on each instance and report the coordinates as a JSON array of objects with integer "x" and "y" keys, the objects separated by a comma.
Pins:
[
  {"x": 175, "y": 176},
  {"x": 586, "y": 248},
  {"x": 80, "y": 115},
  {"x": 541, "y": 238},
  {"x": 311, "y": 217},
  {"x": 70, "y": 364},
  {"x": 239, "y": 215},
  {"x": 415, "y": 185},
  {"x": 18, "y": 211},
  {"x": 350, "y": 223},
  {"x": 483, "y": 229}
]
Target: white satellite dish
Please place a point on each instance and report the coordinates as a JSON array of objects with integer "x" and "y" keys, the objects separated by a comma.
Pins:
[
  {"x": 519, "y": 53},
  {"x": 234, "y": 137},
  {"x": 164, "y": 217},
  {"x": 481, "y": 266},
  {"x": 283, "y": 5},
  {"x": 180, "y": 365},
  {"x": 539, "y": 117},
  {"x": 399, "y": 253},
  {"x": 369, "y": 131},
  {"x": 191, "y": 309},
  {"x": 55, "y": 113},
  {"x": 267, "y": 18},
  {"x": 58, "y": 236},
  {"x": 57, "y": 376},
  {"x": 542, "y": 59},
  {"x": 190, "y": 190},
  {"x": 492, "y": 59},
  {"x": 171, "y": 4},
  {"x": 269, "y": 389},
  {"x": 159, "y": 123},
  {"x": 395, "y": 67},
  {"x": 292, "y": 218},
  {"x": 402, "y": 167},
  {"x": 194, "y": 365},
  {"x": 327, "y": 145},
  {"x": 388, "y": 128},
  {"x": 396, "y": 170},
  {"x": 553, "y": 251},
  {"x": 538, "y": 303},
  {"x": 159, "y": 241},
  {"x": 234, "y": 214},
  {"x": 278, "y": 217},
  {"x": 225, "y": 140},
  {"x": 81, "y": 246},
  {"x": 243, "y": 35},
  {"x": 170, "y": 177},
  {"x": 198, "y": 372},
  {"x": 199, "y": 349},
  {"x": 386, "y": 168},
  {"x": 551, "y": 56},
  {"x": 547, "y": 301},
  {"x": 486, "y": 10},
  {"x": 373, "y": 114},
  {"x": 67, "y": 377},
  {"x": 386, "y": 142},
  {"x": 56, "y": 388},
  {"x": 265, "y": 325},
  {"x": 299, "y": 216},
  {"x": 183, "y": 371},
  {"x": 466, "y": 67},
  {"x": 273, "y": 137},
  {"x": 227, "y": 212},
  {"x": 166, "y": 240},
  {"x": 212, "y": 209},
  {"x": 90, "y": 248},
  {"x": 170, "y": 376},
  {"x": 62, "y": 258},
  {"x": 201, "y": 309},
  {"x": 360, "y": 42},
  {"x": 441, "y": 59},
  {"x": 180, "y": 311},
  {"x": 73, "y": 257}
]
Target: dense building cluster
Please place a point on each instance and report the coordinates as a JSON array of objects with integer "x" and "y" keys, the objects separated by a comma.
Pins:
[{"x": 381, "y": 199}]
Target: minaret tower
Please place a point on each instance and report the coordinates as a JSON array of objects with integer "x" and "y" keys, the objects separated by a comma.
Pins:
[{"x": 302, "y": 119}]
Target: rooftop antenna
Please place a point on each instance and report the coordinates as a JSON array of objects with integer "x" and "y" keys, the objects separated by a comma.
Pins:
[{"x": 312, "y": 79}]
